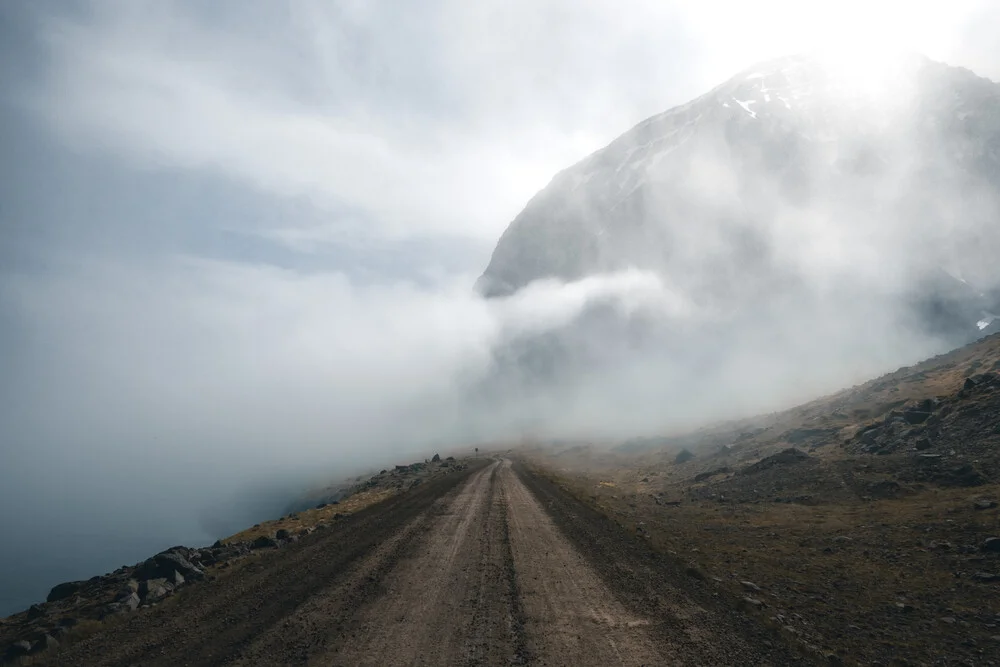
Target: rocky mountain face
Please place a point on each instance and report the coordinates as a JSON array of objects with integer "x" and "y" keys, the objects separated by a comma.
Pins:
[{"x": 796, "y": 179}]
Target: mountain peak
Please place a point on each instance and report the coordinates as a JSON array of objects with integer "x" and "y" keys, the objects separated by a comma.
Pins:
[{"x": 793, "y": 170}]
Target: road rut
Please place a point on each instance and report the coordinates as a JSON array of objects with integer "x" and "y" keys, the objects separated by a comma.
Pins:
[{"x": 490, "y": 566}]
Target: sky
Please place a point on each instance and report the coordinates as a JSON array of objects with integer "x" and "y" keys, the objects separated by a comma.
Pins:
[{"x": 238, "y": 240}]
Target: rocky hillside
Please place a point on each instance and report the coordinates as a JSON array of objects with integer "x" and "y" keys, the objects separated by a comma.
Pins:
[
  {"x": 76, "y": 608},
  {"x": 863, "y": 526},
  {"x": 796, "y": 176}
]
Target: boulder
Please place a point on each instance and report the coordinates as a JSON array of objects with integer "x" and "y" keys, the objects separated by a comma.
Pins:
[
  {"x": 991, "y": 545},
  {"x": 163, "y": 565},
  {"x": 436, "y": 458},
  {"x": 154, "y": 589},
  {"x": 63, "y": 590},
  {"x": 17, "y": 650},
  {"x": 263, "y": 542},
  {"x": 35, "y": 611},
  {"x": 282, "y": 534},
  {"x": 916, "y": 416},
  {"x": 130, "y": 603},
  {"x": 683, "y": 456},
  {"x": 46, "y": 643}
]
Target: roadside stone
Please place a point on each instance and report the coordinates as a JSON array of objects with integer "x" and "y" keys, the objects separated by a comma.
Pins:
[
  {"x": 991, "y": 545},
  {"x": 63, "y": 590}
]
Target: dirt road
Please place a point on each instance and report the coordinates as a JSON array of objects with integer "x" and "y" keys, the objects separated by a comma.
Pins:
[{"x": 491, "y": 566}]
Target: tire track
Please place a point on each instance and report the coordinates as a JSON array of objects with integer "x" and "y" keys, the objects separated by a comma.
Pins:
[
  {"x": 445, "y": 603},
  {"x": 571, "y": 616}
]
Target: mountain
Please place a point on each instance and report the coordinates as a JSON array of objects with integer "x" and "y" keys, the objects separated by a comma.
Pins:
[{"x": 797, "y": 178}]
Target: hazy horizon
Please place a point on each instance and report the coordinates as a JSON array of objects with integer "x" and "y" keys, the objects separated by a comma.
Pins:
[{"x": 240, "y": 243}]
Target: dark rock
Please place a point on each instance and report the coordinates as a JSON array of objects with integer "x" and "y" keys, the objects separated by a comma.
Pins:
[
  {"x": 683, "y": 456},
  {"x": 282, "y": 534},
  {"x": 991, "y": 545},
  {"x": 322, "y": 505},
  {"x": 35, "y": 611},
  {"x": 986, "y": 577},
  {"x": 436, "y": 458},
  {"x": 17, "y": 650},
  {"x": 264, "y": 542},
  {"x": 750, "y": 586},
  {"x": 916, "y": 416},
  {"x": 63, "y": 590},
  {"x": 788, "y": 456},
  {"x": 922, "y": 444},
  {"x": 965, "y": 475},
  {"x": 702, "y": 476},
  {"x": 163, "y": 565},
  {"x": 46, "y": 643},
  {"x": 884, "y": 488},
  {"x": 450, "y": 458},
  {"x": 984, "y": 504}
]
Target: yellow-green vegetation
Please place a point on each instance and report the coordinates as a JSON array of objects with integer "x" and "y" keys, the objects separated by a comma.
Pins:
[{"x": 313, "y": 517}]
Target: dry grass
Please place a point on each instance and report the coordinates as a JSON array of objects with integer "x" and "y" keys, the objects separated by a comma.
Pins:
[
  {"x": 842, "y": 568},
  {"x": 865, "y": 580},
  {"x": 313, "y": 517}
]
